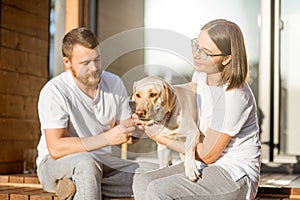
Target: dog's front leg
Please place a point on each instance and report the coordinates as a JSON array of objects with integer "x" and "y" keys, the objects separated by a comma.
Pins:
[
  {"x": 191, "y": 170},
  {"x": 164, "y": 155}
]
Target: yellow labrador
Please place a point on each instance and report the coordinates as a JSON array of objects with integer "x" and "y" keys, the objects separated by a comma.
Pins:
[{"x": 174, "y": 107}]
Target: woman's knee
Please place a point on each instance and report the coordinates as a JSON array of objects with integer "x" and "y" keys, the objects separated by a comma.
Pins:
[
  {"x": 158, "y": 190},
  {"x": 141, "y": 183},
  {"x": 143, "y": 179}
]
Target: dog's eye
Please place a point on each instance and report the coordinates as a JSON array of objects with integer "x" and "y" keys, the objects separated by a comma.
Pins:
[
  {"x": 153, "y": 94},
  {"x": 138, "y": 95}
]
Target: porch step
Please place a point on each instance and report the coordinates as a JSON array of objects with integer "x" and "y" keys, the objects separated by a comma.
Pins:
[
  {"x": 272, "y": 186},
  {"x": 23, "y": 187},
  {"x": 27, "y": 187},
  {"x": 279, "y": 186}
]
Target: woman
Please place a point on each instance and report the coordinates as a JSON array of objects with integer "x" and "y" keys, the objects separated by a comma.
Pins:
[{"x": 229, "y": 148}]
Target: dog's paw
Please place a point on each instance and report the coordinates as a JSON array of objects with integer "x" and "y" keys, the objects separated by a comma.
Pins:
[{"x": 192, "y": 172}]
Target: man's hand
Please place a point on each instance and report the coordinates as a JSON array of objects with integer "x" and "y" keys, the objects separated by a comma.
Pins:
[
  {"x": 117, "y": 135},
  {"x": 120, "y": 133}
]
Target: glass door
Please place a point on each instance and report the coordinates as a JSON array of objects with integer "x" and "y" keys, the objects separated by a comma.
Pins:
[{"x": 289, "y": 78}]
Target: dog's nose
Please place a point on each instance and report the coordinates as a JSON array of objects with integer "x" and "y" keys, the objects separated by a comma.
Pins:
[{"x": 140, "y": 112}]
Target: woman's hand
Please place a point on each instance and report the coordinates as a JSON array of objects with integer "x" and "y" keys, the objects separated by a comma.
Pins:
[{"x": 153, "y": 131}]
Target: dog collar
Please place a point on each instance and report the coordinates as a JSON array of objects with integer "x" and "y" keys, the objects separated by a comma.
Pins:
[{"x": 165, "y": 119}]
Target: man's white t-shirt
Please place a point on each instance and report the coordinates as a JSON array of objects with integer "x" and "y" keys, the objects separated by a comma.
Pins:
[
  {"x": 63, "y": 105},
  {"x": 232, "y": 112}
]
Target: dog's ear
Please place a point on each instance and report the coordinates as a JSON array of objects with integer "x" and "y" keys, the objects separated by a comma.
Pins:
[
  {"x": 134, "y": 89},
  {"x": 170, "y": 96}
]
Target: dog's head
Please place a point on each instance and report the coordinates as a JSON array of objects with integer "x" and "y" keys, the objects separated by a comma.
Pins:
[{"x": 153, "y": 97}]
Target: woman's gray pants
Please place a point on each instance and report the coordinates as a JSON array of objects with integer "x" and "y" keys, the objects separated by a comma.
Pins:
[{"x": 170, "y": 183}]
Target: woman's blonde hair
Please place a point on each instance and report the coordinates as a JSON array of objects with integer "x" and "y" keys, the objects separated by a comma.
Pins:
[{"x": 229, "y": 39}]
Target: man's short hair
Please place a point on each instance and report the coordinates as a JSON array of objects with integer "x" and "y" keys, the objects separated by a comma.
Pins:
[{"x": 81, "y": 36}]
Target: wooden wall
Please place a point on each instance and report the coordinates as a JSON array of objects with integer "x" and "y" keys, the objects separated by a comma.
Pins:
[{"x": 24, "y": 46}]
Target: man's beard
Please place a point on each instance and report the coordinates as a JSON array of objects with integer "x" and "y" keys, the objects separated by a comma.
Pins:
[{"x": 90, "y": 80}]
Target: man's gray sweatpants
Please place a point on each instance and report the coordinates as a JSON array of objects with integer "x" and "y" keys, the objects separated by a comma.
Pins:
[{"x": 108, "y": 176}]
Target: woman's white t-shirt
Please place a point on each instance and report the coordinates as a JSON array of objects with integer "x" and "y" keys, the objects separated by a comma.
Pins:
[
  {"x": 232, "y": 112},
  {"x": 63, "y": 105}
]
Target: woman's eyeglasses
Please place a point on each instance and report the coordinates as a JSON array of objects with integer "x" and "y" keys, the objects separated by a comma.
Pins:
[{"x": 199, "y": 52}]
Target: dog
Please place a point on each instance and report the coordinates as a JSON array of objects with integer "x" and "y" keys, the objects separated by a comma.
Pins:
[{"x": 174, "y": 108}]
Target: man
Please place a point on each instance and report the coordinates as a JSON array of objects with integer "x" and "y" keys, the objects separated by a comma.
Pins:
[{"x": 83, "y": 111}]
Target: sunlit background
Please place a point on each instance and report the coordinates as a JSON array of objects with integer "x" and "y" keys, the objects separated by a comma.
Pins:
[{"x": 271, "y": 36}]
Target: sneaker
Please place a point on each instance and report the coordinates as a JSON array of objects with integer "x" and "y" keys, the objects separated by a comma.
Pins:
[{"x": 65, "y": 188}]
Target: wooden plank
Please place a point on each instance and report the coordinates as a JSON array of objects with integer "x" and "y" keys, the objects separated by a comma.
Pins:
[
  {"x": 13, "y": 129},
  {"x": 20, "y": 84},
  {"x": 16, "y": 106},
  {"x": 27, "y": 179},
  {"x": 19, "y": 197},
  {"x": 20, "y": 190},
  {"x": 7, "y": 188},
  {"x": 42, "y": 196},
  {"x": 8, "y": 192},
  {"x": 19, "y": 41},
  {"x": 295, "y": 191},
  {"x": 27, "y": 63},
  {"x": 22, "y": 186},
  {"x": 25, "y": 193},
  {"x": 30, "y": 24},
  {"x": 16, "y": 179},
  {"x": 4, "y": 196},
  {"x": 36, "y": 7},
  {"x": 4, "y": 178},
  {"x": 32, "y": 179}
]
